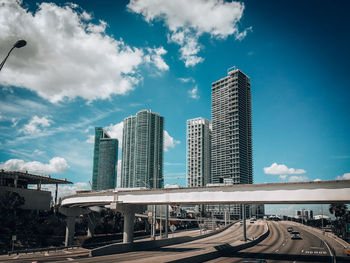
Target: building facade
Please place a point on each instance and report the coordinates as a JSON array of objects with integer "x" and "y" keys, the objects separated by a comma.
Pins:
[
  {"x": 142, "y": 154},
  {"x": 104, "y": 173},
  {"x": 198, "y": 152},
  {"x": 231, "y": 152}
]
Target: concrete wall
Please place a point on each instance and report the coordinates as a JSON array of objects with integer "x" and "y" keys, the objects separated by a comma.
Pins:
[
  {"x": 146, "y": 245},
  {"x": 33, "y": 199}
]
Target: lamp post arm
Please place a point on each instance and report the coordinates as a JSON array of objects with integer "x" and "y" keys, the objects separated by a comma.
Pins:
[{"x": 3, "y": 62}]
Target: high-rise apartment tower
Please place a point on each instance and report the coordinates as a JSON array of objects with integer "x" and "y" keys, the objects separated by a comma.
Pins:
[
  {"x": 142, "y": 154},
  {"x": 198, "y": 152},
  {"x": 104, "y": 173},
  {"x": 232, "y": 129}
]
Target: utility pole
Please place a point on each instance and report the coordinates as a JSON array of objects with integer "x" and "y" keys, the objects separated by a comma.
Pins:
[
  {"x": 244, "y": 223},
  {"x": 166, "y": 220}
]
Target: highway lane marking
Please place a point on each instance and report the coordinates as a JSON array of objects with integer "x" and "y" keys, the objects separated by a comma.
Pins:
[{"x": 70, "y": 259}]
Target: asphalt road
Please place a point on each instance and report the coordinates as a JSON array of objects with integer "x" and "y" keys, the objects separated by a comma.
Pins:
[{"x": 277, "y": 247}]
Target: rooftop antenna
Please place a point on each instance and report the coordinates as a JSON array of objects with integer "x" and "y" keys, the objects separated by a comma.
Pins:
[{"x": 231, "y": 69}]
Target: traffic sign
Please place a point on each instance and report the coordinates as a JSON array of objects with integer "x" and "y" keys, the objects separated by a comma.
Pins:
[{"x": 172, "y": 228}]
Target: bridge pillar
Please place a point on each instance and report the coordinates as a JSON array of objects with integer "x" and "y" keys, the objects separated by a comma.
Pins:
[
  {"x": 128, "y": 211},
  {"x": 129, "y": 217},
  {"x": 70, "y": 231},
  {"x": 71, "y": 214},
  {"x": 91, "y": 225}
]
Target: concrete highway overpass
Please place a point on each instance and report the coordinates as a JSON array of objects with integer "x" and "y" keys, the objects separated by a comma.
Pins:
[{"x": 130, "y": 201}]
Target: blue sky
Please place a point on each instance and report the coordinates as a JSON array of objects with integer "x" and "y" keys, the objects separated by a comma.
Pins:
[{"x": 92, "y": 64}]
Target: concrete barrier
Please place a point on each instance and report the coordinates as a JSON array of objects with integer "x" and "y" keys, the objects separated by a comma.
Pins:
[
  {"x": 222, "y": 250},
  {"x": 147, "y": 245}
]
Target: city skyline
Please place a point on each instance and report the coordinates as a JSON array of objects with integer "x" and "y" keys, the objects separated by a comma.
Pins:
[{"x": 83, "y": 67}]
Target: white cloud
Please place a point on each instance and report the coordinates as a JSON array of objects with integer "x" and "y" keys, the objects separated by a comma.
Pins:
[
  {"x": 169, "y": 142},
  {"x": 317, "y": 180},
  {"x": 56, "y": 165},
  {"x": 65, "y": 189},
  {"x": 193, "y": 93},
  {"x": 116, "y": 131},
  {"x": 154, "y": 56},
  {"x": 281, "y": 169},
  {"x": 14, "y": 122},
  {"x": 35, "y": 123},
  {"x": 188, "y": 20},
  {"x": 186, "y": 80},
  {"x": 297, "y": 178},
  {"x": 283, "y": 177},
  {"x": 90, "y": 139},
  {"x": 66, "y": 55},
  {"x": 345, "y": 176},
  {"x": 38, "y": 152}
]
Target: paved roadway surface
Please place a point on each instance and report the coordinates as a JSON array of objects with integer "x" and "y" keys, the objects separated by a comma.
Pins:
[
  {"x": 278, "y": 243},
  {"x": 164, "y": 254}
]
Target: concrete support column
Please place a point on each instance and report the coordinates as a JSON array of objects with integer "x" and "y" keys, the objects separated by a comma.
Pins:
[
  {"x": 129, "y": 217},
  {"x": 70, "y": 231},
  {"x": 56, "y": 192},
  {"x": 128, "y": 212},
  {"x": 166, "y": 220},
  {"x": 71, "y": 213},
  {"x": 244, "y": 224},
  {"x": 91, "y": 225}
]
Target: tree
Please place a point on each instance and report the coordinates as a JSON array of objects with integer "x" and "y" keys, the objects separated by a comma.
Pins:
[{"x": 339, "y": 210}]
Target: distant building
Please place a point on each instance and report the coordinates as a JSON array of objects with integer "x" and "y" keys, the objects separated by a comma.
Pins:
[
  {"x": 142, "y": 154},
  {"x": 231, "y": 151},
  {"x": 198, "y": 152},
  {"x": 257, "y": 210},
  {"x": 104, "y": 173},
  {"x": 304, "y": 214},
  {"x": 34, "y": 199}
]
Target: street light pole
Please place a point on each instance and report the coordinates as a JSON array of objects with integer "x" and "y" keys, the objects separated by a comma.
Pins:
[{"x": 18, "y": 44}]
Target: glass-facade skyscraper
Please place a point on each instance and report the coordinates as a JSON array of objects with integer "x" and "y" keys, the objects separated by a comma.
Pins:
[
  {"x": 198, "y": 152},
  {"x": 104, "y": 173},
  {"x": 142, "y": 151}
]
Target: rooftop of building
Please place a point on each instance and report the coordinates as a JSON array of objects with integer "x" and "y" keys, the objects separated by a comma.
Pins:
[
  {"x": 32, "y": 178},
  {"x": 230, "y": 71}
]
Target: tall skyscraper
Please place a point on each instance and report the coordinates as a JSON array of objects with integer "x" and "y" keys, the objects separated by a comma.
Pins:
[
  {"x": 198, "y": 152},
  {"x": 142, "y": 154},
  {"x": 232, "y": 129},
  {"x": 105, "y": 161},
  {"x": 231, "y": 153}
]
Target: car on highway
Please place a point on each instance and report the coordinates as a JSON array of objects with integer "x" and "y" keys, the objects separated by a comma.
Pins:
[
  {"x": 252, "y": 221},
  {"x": 290, "y": 229},
  {"x": 295, "y": 235},
  {"x": 347, "y": 251}
]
